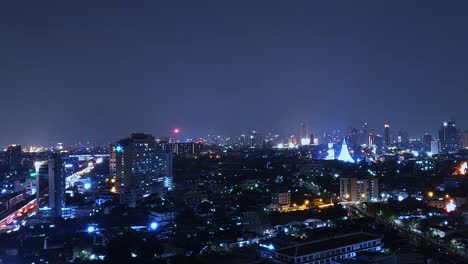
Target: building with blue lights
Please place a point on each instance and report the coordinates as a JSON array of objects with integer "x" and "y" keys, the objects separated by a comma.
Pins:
[{"x": 139, "y": 166}]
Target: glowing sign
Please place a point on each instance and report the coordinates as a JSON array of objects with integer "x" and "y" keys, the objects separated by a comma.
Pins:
[{"x": 68, "y": 165}]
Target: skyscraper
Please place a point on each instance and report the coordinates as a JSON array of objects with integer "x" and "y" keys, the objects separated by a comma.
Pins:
[
  {"x": 13, "y": 156},
  {"x": 303, "y": 134},
  {"x": 387, "y": 135},
  {"x": 56, "y": 185},
  {"x": 465, "y": 139},
  {"x": 435, "y": 147},
  {"x": 427, "y": 139},
  {"x": 140, "y": 167},
  {"x": 403, "y": 138},
  {"x": 449, "y": 137}
]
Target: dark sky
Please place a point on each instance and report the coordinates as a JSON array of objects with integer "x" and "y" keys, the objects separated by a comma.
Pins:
[{"x": 72, "y": 70}]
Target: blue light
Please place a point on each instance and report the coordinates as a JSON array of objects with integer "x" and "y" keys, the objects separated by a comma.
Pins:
[
  {"x": 91, "y": 229},
  {"x": 154, "y": 226},
  {"x": 118, "y": 148},
  {"x": 68, "y": 165},
  {"x": 87, "y": 186},
  {"x": 269, "y": 247}
]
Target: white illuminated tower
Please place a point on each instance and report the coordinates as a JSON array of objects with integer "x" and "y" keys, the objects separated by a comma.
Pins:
[
  {"x": 344, "y": 154},
  {"x": 331, "y": 152}
]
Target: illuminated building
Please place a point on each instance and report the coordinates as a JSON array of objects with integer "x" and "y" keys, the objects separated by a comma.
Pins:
[
  {"x": 304, "y": 138},
  {"x": 187, "y": 149},
  {"x": 56, "y": 185},
  {"x": 403, "y": 138},
  {"x": 465, "y": 139},
  {"x": 387, "y": 135},
  {"x": 344, "y": 154},
  {"x": 13, "y": 156},
  {"x": 281, "y": 198},
  {"x": 329, "y": 250},
  {"x": 331, "y": 152},
  {"x": 370, "y": 141},
  {"x": 427, "y": 140},
  {"x": 140, "y": 167},
  {"x": 449, "y": 137},
  {"x": 359, "y": 189},
  {"x": 435, "y": 146}
]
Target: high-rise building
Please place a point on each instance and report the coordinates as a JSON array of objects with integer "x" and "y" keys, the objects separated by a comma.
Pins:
[
  {"x": 387, "y": 135},
  {"x": 13, "y": 156},
  {"x": 403, "y": 138},
  {"x": 359, "y": 189},
  {"x": 363, "y": 134},
  {"x": 450, "y": 138},
  {"x": 56, "y": 185},
  {"x": 139, "y": 166},
  {"x": 303, "y": 134},
  {"x": 379, "y": 144},
  {"x": 427, "y": 140},
  {"x": 465, "y": 139},
  {"x": 435, "y": 147}
]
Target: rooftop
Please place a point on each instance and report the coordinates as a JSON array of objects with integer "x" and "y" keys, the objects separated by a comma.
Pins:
[{"x": 327, "y": 244}]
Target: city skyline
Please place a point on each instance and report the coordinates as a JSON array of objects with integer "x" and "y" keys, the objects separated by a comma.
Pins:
[
  {"x": 185, "y": 136},
  {"x": 69, "y": 72}
]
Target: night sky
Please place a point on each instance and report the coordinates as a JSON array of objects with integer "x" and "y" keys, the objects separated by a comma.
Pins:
[{"x": 99, "y": 70}]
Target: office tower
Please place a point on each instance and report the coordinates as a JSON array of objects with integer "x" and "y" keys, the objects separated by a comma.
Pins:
[
  {"x": 403, "y": 138},
  {"x": 427, "y": 140},
  {"x": 13, "y": 156},
  {"x": 465, "y": 139},
  {"x": 387, "y": 135},
  {"x": 138, "y": 165},
  {"x": 312, "y": 139},
  {"x": 370, "y": 140},
  {"x": 355, "y": 189},
  {"x": 379, "y": 144},
  {"x": 449, "y": 137},
  {"x": 435, "y": 147},
  {"x": 56, "y": 185},
  {"x": 256, "y": 140},
  {"x": 303, "y": 134},
  {"x": 353, "y": 139},
  {"x": 192, "y": 149},
  {"x": 363, "y": 134},
  {"x": 163, "y": 170}
]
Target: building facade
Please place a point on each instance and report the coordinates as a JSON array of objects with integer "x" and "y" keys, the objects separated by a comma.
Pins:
[
  {"x": 139, "y": 166},
  {"x": 13, "y": 156},
  {"x": 56, "y": 185},
  {"x": 450, "y": 138},
  {"x": 359, "y": 189},
  {"x": 328, "y": 250}
]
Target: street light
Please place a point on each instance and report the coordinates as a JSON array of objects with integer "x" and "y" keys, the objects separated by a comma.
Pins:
[{"x": 37, "y": 166}]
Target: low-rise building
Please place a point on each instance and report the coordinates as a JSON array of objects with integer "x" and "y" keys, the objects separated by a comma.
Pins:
[{"x": 326, "y": 250}]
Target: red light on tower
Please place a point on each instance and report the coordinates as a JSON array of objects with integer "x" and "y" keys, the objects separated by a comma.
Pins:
[{"x": 176, "y": 131}]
